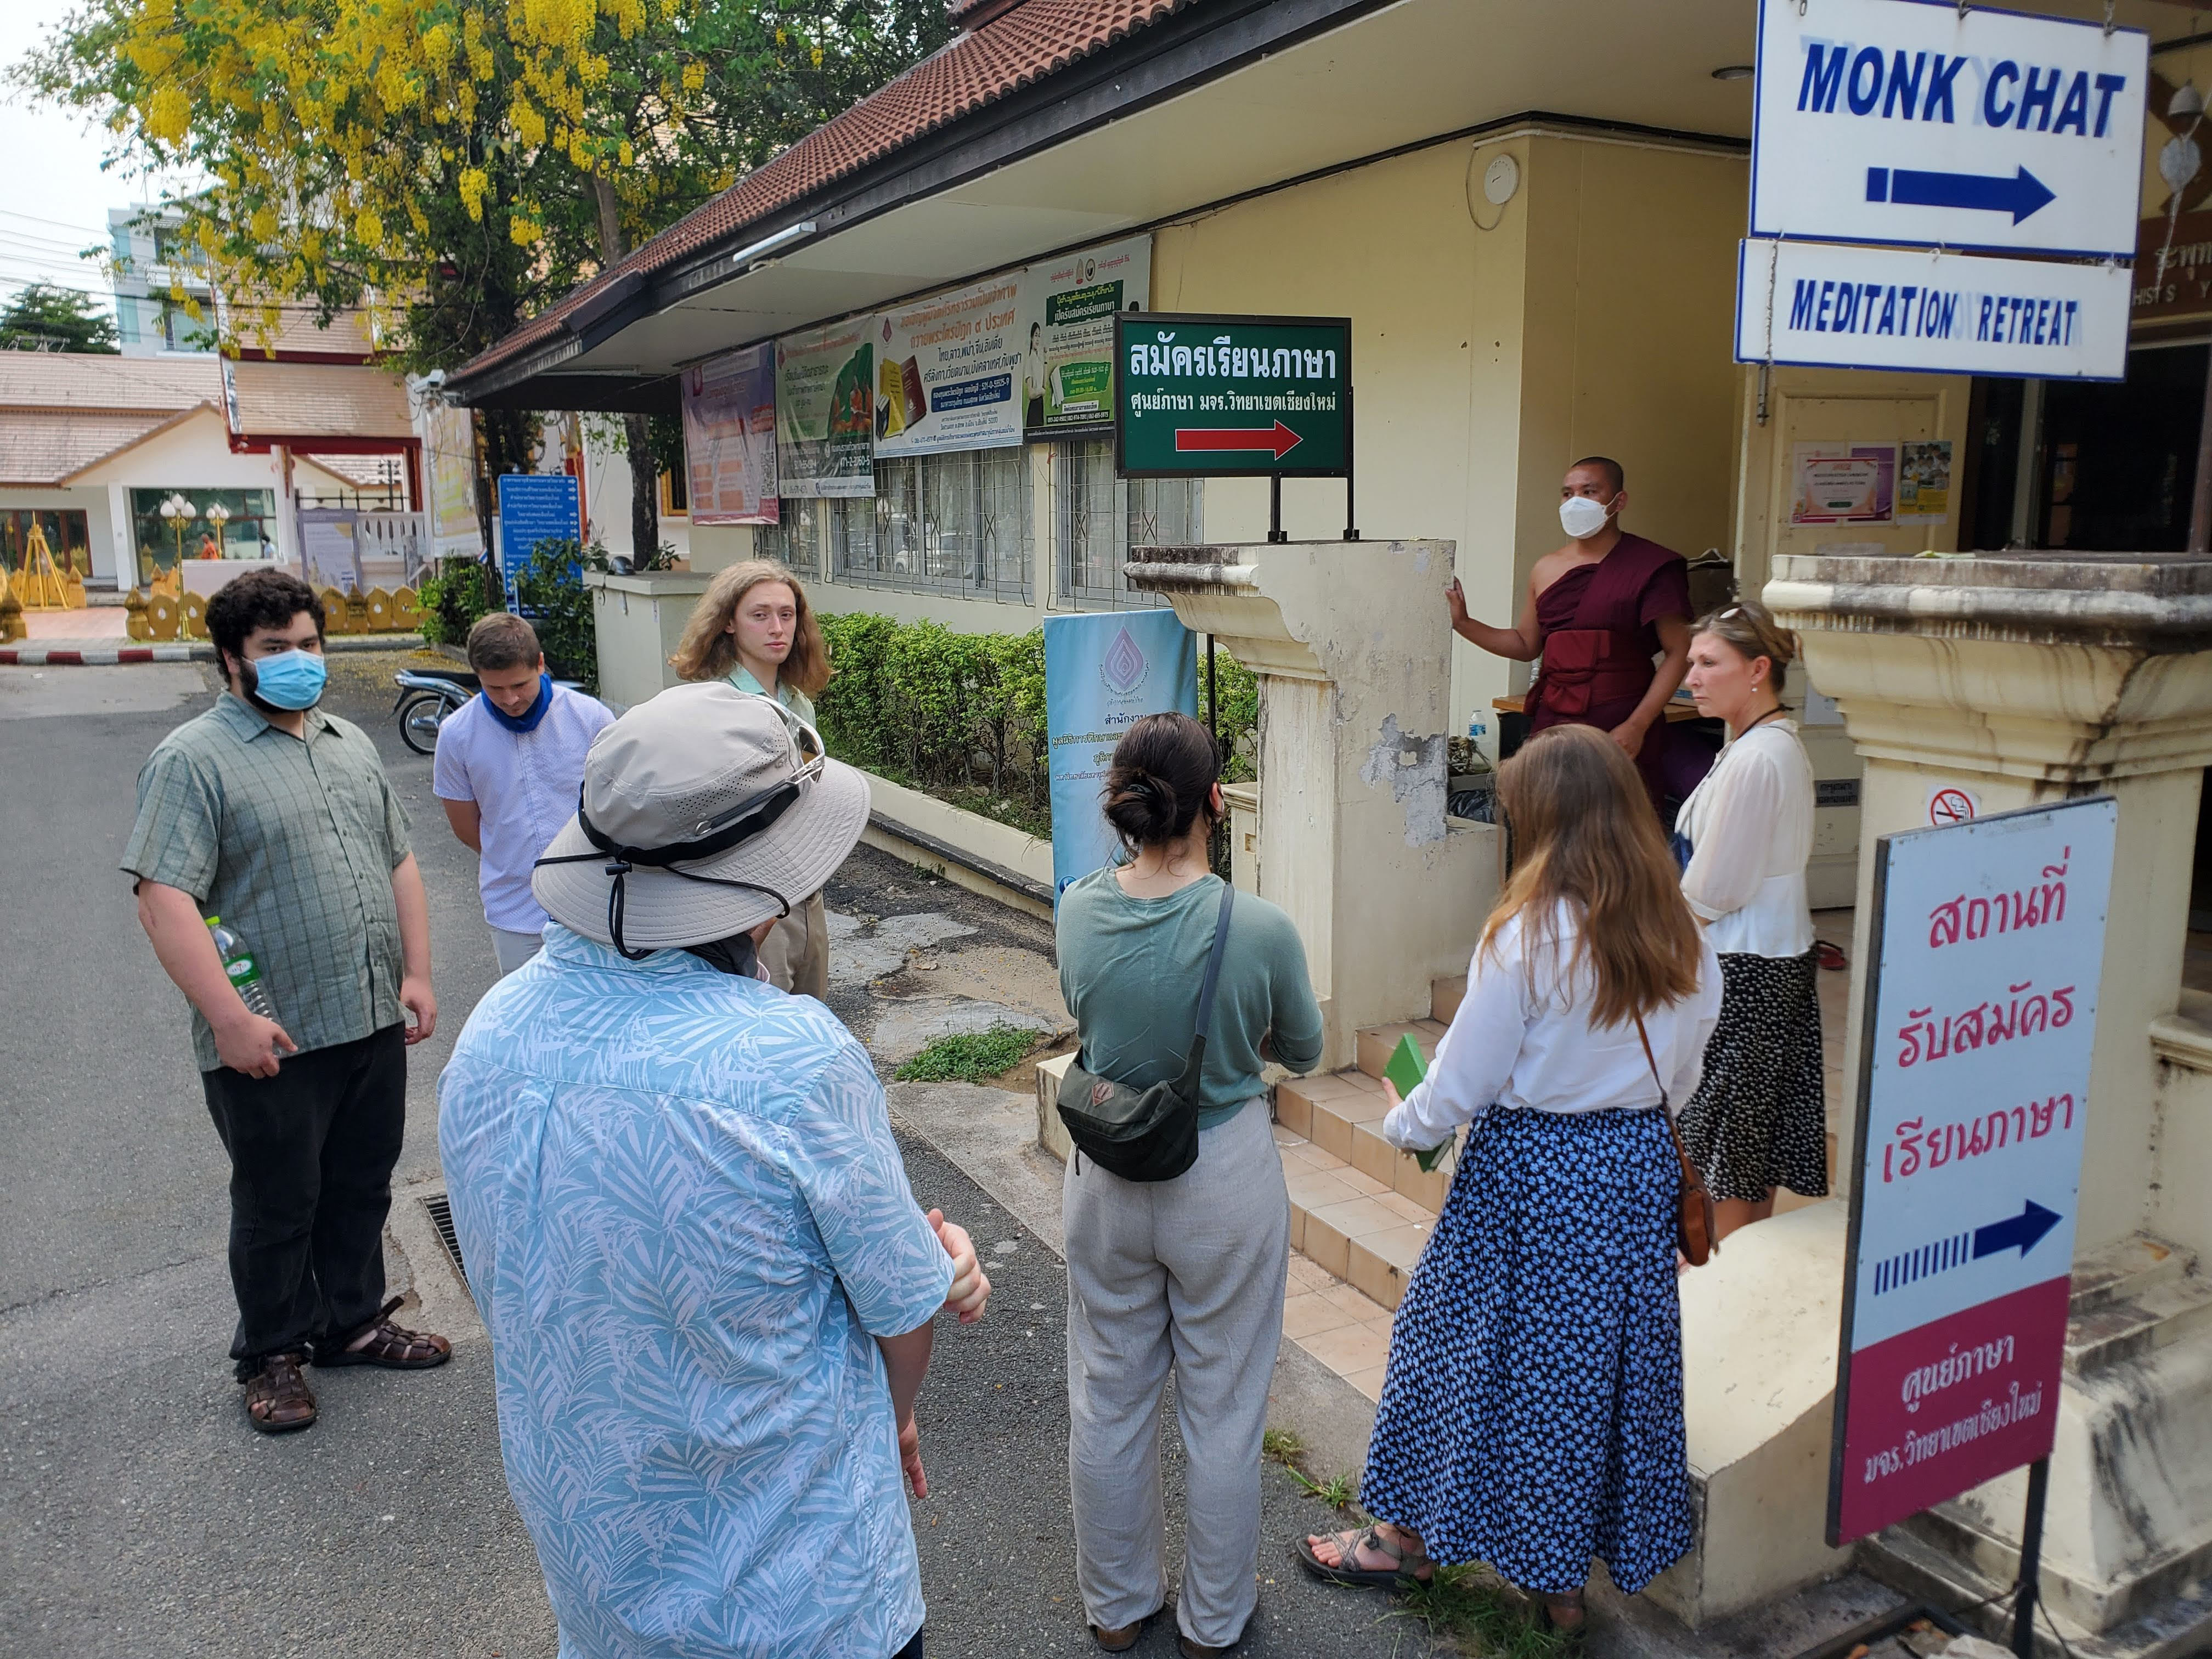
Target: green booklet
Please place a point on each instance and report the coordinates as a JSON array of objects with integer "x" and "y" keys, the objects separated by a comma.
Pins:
[{"x": 1405, "y": 1070}]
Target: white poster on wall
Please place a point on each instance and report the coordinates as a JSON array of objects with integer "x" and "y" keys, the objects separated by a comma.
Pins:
[
  {"x": 1068, "y": 332},
  {"x": 948, "y": 368}
]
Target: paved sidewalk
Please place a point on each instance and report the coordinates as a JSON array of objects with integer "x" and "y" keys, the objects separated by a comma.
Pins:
[{"x": 106, "y": 650}]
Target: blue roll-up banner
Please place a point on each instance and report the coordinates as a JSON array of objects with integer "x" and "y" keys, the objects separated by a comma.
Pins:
[{"x": 1103, "y": 673}]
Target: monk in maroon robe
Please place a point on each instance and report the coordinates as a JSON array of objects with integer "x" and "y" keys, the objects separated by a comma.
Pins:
[{"x": 1609, "y": 613}]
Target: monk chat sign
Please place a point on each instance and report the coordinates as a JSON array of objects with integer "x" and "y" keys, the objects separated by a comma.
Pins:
[
  {"x": 1211, "y": 396},
  {"x": 1989, "y": 938}
]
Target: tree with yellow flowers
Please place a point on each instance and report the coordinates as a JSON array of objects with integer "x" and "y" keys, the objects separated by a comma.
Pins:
[{"x": 455, "y": 165}]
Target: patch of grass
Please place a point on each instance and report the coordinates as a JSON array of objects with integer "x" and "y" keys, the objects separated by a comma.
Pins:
[
  {"x": 1286, "y": 1449},
  {"x": 1470, "y": 1605},
  {"x": 970, "y": 1056}
]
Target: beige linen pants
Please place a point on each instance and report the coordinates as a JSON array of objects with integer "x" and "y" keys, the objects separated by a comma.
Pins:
[
  {"x": 796, "y": 952},
  {"x": 1188, "y": 1273}
]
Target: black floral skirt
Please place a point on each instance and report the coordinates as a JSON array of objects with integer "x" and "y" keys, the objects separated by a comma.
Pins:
[{"x": 1760, "y": 1119}]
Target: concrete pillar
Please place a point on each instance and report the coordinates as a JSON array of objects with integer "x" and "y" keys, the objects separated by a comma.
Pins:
[
  {"x": 2013, "y": 680},
  {"x": 1351, "y": 645}
]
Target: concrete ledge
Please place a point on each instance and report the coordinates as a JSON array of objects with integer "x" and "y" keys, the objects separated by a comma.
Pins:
[
  {"x": 2184, "y": 1036},
  {"x": 982, "y": 855}
]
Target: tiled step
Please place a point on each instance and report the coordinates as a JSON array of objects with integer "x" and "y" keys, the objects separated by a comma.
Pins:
[
  {"x": 2125, "y": 1270},
  {"x": 1444, "y": 997},
  {"x": 1376, "y": 1043},
  {"x": 1350, "y": 1225},
  {"x": 1341, "y": 1114}
]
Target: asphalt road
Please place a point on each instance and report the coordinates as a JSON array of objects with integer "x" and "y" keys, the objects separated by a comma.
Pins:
[{"x": 139, "y": 1516}]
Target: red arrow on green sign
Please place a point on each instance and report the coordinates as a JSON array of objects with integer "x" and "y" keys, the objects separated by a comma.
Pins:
[{"x": 1277, "y": 438}]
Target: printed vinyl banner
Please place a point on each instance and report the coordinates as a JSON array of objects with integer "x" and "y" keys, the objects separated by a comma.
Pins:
[
  {"x": 948, "y": 369},
  {"x": 825, "y": 410},
  {"x": 729, "y": 437},
  {"x": 449, "y": 449},
  {"x": 1069, "y": 306},
  {"x": 1989, "y": 942},
  {"x": 1103, "y": 671}
]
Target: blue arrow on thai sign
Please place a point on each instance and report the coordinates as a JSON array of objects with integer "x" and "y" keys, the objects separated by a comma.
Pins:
[{"x": 1925, "y": 124}]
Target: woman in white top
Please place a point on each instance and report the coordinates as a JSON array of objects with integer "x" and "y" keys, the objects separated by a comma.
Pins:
[
  {"x": 1760, "y": 1119},
  {"x": 1532, "y": 1410}
]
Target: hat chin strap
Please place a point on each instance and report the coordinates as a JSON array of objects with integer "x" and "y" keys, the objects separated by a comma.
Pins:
[{"x": 619, "y": 866}]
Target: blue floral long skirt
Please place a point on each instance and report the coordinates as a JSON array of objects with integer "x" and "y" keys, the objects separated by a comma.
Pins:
[{"x": 1532, "y": 1412}]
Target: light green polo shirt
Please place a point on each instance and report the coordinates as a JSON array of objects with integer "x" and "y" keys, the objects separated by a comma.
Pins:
[
  {"x": 292, "y": 842},
  {"x": 1130, "y": 970},
  {"x": 789, "y": 696}
]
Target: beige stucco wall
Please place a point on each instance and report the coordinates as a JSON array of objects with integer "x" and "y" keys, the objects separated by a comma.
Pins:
[{"x": 1592, "y": 315}]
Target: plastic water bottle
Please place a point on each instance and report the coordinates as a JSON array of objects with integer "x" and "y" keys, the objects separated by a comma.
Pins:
[
  {"x": 245, "y": 972},
  {"x": 1475, "y": 731}
]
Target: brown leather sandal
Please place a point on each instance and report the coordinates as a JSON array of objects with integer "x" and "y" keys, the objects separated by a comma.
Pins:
[
  {"x": 387, "y": 1344},
  {"x": 277, "y": 1398}
]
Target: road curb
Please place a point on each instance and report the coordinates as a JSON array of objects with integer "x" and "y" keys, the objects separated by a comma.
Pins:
[{"x": 85, "y": 654}]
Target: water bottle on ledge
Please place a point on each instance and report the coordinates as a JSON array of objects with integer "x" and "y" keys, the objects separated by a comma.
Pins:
[{"x": 245, "y": 972}]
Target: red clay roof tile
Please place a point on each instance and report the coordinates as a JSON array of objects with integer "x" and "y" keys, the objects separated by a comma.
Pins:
[{"x": 1034, "y": 39}]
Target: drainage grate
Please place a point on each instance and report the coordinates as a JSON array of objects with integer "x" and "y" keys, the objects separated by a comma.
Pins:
[{"x": 441, "y": 1214}]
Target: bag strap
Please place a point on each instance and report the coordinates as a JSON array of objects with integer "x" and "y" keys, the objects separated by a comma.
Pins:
[
  {"x": 1673, "y": 1130},
  {"x": 1188, "y": 1084}
]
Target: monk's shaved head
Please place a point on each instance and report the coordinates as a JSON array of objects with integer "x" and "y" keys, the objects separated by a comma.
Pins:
[{"x": 1615, "y": 479}]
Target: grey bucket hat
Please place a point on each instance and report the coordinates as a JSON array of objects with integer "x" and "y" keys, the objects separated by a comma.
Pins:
[{"x": 706, "y": 810}]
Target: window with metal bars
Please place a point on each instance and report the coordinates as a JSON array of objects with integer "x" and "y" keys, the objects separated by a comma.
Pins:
[
  {"x": 1097, "y": 518},
  {"x": 800, "y": 534},
  {"x": 944, "y": 524}
]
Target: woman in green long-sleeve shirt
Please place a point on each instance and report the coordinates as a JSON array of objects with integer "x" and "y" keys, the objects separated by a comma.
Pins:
[{"x": 1189, "y": 1270}]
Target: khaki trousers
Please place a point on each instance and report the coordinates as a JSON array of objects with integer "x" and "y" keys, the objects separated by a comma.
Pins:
[
  {"x": 1186, "y": 1272},
  {"x": 796, "y": 952}
]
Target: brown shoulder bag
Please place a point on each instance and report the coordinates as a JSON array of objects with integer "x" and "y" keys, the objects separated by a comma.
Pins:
[{"x": 1696, "y": 1228}]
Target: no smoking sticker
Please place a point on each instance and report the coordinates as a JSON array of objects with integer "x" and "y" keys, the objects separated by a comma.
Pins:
[{"x": 1948, "y": 804}]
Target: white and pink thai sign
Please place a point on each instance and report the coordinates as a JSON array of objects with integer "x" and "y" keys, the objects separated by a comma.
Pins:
[{"x": 1988, "y": 942}]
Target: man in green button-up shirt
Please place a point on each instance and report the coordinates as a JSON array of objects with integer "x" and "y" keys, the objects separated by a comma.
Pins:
[{"x": 278, "y": 819}]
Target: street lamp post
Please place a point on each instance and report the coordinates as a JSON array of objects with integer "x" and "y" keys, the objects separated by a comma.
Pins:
[
  {"x": 179, "y": 513},
  {"x": 218, "y": 515}
]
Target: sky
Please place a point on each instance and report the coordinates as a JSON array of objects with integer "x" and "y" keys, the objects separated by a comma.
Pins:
[{"x": 54, "y": 196}]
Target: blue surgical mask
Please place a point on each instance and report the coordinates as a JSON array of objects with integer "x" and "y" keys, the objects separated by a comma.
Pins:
[{"x": 290, "y": 680}]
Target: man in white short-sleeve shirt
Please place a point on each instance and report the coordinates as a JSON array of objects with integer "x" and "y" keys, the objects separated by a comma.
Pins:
[{"x": 508, "y": 768}]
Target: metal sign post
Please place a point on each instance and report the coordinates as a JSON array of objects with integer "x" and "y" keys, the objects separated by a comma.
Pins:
[
  {"x": 1985, "y": 949},
  {"x": 1231, "y": 396}
]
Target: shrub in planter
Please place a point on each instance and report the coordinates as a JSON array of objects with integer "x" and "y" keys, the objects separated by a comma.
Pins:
[
  {"x": 461, "y": 591},
  {"x": 961, "y": 715}
]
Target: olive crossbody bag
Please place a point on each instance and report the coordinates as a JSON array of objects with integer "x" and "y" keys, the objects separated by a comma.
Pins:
[{"x": 1147, "y": 1134}]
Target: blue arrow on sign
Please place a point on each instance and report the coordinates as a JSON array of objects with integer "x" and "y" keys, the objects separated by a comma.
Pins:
[
  {"x": 2023, "y": 1230},
  {"x": 2021, "y": 195}
]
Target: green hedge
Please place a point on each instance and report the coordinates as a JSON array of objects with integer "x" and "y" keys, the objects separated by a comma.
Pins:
[
  {"x": 462, "y": 590},
  {"x": 961, "y": 715}
]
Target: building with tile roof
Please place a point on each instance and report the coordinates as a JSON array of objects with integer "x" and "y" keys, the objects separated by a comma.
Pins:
[{"x": 91, "y": 445}]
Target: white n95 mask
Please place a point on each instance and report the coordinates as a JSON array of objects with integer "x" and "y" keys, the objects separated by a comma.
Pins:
[{"x": 1582, "y": 517}]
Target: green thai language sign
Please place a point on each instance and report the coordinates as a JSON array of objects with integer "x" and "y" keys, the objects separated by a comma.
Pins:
[{"x": 1209, "y": 396}]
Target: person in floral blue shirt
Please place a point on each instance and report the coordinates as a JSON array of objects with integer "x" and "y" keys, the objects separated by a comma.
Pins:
[{"x": 708, "y": 1286}]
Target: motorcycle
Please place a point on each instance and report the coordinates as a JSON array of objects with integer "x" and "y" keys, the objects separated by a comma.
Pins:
[{"x": 427, "y": 697}]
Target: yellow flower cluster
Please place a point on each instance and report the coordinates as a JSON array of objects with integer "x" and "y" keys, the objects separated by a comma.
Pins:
[{"x": 332, "y": 129}]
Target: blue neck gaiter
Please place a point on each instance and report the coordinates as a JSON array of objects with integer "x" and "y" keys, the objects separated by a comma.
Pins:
[{"x": 527, "y": 722}]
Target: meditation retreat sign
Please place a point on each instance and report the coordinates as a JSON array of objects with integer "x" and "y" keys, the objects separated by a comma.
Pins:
[{"x": 1987, "y": 945}]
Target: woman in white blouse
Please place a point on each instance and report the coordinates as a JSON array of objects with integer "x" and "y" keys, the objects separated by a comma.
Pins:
[
  {"x": 1531, "y": 1414},
  {"x": 1760, "y": 1119}
]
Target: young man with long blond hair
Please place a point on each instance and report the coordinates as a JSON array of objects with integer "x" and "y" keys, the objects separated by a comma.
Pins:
[{"x": 753, "y": 628}]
